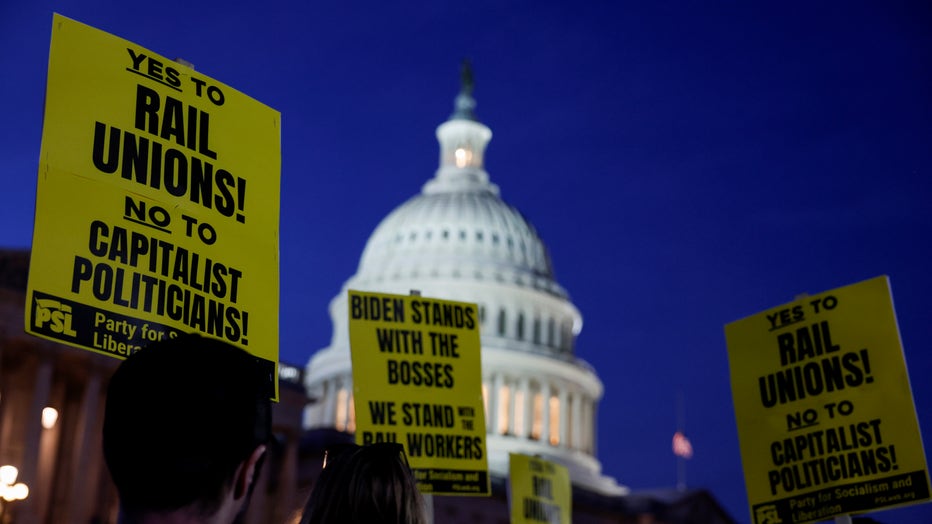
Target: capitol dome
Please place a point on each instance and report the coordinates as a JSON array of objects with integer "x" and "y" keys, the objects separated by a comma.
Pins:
[{"x": 458, "y": 240}]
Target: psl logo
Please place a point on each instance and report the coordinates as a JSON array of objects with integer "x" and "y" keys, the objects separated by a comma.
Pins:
[
  {"x": 54, "y": 316},
  {"x": 767, "y": 515}
]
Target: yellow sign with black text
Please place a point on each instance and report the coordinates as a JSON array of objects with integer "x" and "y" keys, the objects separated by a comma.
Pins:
[
  {"x": 540, "y": 491},
  {"x": 417, "y": 380},
  {"x": 157, "y": 203},
  {"x": 824, "y": 409}
]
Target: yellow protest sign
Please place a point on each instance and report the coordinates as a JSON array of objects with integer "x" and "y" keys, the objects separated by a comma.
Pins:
[
  {"x": 825, "y": 413},
  {"x": 540, "y": 491},
  {"x": 417, "y": 380},
  {"x": 157, "y": 203}
]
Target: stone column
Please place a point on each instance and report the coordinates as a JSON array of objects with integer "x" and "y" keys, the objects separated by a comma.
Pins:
[
  {"x": 594, "y": 414},
  {"x": 330, "y": 403},
  {"x": 586, "y": 414},
  {"x": 526, "y": 403},
  {"x": 349, "y": 414},
  {"x": 545, "y": 412},
  {"x": 494, "y": 397},
  {"x": 79, "y": 489},
  {"x": 512, "y": 406},
  {"x": 28, "y": 510},
  {"x": 576, "y": 426},
  {"x": 49, "y": 444},
  {"x": 564, "y": 416},
  {"x": 487, "y": 402}
]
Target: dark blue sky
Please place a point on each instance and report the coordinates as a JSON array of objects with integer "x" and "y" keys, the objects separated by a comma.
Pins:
[{"x": 687, "y": 164}]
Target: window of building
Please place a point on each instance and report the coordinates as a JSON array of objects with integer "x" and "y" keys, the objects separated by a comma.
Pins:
[
  {"x": 351, "y": 423},
  {"x": 504, "y": 399},
  {"x": 537, "y": 422},
  {"x": 519, "y": 427},
  {"x": 340, "y": 422},
  {"x": 554, "y": 420}
]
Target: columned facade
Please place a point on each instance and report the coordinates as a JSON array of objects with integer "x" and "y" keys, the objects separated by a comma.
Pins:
[{"x": 52, "y": 401}]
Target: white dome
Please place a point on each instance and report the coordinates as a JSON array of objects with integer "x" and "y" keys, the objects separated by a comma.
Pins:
[
  {"x": 431, "y": 232},
  {"x": 459, "y": 240}
]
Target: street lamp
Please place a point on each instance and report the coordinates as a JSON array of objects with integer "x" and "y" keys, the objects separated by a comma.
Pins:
[{"x": 9, "y": 491}]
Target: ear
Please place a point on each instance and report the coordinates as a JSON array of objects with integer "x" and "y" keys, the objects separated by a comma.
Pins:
[{"x": 248, "y": 472}]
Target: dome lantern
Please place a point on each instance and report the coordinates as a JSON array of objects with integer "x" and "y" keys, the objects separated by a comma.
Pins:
[{"x": 462, "y": 145}]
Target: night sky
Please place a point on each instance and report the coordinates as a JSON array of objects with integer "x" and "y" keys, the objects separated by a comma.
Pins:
[{"x": 687, "y": 165}]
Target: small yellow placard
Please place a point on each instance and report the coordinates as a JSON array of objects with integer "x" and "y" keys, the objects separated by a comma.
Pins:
[
  {"x": 417, "y": 380},
  {"x": 824, "y": 410},
  {"x": 540, "y": 491},
  {"x": 157, "y": 203}
]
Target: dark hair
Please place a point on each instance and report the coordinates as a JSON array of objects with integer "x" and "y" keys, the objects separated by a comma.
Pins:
[
  {"x": 181, "y": 415},
  {"x": 365, "y": 485}
]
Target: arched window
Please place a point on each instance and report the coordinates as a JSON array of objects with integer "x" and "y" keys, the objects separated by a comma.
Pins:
[
  {"x": 520, "y": 326},
  {"x": 536, "y": 334},
  {"x": 501, "y": 322}
]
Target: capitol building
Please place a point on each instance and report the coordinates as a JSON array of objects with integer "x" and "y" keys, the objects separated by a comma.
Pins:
[{"x": 458, "y": 240}]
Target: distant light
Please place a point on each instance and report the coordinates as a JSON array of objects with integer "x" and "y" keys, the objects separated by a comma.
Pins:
[
  {"x": 49, "y": 417},
  {"x": 8, "y": 474},
  {"x": 19, "y": 491},
  {"x": 463, "y": 157},
  {"x": 681, "y": 446},
  {"x": 288, "y": 372}
]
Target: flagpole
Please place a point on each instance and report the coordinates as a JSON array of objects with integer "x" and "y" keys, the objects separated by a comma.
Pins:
[
  {"x": 680, "y": 473},
  {"x": 680, "y": 426}
]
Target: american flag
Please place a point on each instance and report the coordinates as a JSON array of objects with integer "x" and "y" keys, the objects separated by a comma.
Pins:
[{"x": 682, "y": 446}]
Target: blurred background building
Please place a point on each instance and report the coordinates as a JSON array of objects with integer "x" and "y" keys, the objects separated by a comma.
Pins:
[{"x": 459, "y": 240}]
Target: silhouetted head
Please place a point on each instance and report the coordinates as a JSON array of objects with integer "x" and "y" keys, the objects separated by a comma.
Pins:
[
  {"x": 182, "y": 415},
  {"x": 365, "y": 485}
]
